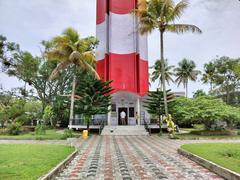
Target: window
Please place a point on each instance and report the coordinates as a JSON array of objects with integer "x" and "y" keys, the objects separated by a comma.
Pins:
[
  {"x": 114, "y": 108},
  {"x": 131, "y": 112}
]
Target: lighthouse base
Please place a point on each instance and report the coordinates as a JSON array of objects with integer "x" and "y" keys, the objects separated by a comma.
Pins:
[{"x": 132, "y": 106}]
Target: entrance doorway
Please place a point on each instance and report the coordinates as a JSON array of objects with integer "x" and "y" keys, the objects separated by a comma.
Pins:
[{"x": 122, "y": 109}]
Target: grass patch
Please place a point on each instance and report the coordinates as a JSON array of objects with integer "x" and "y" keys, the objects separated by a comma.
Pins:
[
  {"x": 30, "y": 161},
  {"x": 195, "y": 136},
  {"x": 224, "y": 154},
  {"x": 51, "y": 134}
]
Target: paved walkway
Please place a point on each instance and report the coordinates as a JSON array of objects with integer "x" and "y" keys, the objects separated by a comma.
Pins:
[{"x": 133, "y": 157}]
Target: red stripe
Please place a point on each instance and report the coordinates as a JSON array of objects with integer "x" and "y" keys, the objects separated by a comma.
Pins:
[
  {"x": 143, "y": 77},
  {"x": 101, "y": 11},
  {"x": 122, "y": 6},
  {"x": 100, "y": 67},
  {"x": 122, "y": 70}
]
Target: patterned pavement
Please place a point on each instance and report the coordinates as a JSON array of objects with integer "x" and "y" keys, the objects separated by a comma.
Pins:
[{"x": 133, "y": 157}]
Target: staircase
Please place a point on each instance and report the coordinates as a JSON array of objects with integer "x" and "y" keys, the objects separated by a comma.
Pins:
[{"x": 124, "y": 131}]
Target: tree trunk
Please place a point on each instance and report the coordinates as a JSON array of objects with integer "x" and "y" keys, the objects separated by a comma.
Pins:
[
  {"x": 72, "y": 101},
  {"x": 163, "y": 74},
  {"x": 160, "y": 125}
]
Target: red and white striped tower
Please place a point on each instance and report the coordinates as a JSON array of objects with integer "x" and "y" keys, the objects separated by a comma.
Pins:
[{"x": 122, "y": 53}]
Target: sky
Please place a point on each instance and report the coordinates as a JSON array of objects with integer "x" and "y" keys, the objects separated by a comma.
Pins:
[{"x": 29, "y": 22}]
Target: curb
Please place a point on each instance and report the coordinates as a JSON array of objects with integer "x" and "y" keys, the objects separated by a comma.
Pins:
[
  {"x": 56, "y": 170},
  {"x": 219, "y": 170}
]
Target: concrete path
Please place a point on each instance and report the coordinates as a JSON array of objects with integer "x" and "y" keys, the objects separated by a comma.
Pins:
[{"x": 134, "y": 157}]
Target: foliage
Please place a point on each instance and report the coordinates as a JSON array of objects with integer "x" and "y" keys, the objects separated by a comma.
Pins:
[
  {"x": 68, "y": 133},
  {"x": 186, "y": 71},
  {"x": 48, "y": 115},
  {"x": 209, "y": 74},
  {"x": 94, "y": 96},
  {"x": 223, "y": 154},
  {"x": 154, "y": 104},
  {"x": 30, "y": 161},
  {"x": 156, "y": 74},
  {"x": 205, "y": 110},
  {"x": 162, "y": 15},
  {"x": 69, "y": 49},
  {"x": 40, "y": 129},
  {"x": 223, "y": 76},
  {"x": 199, "y": 93},
  {"x": 14, "y": 128}
]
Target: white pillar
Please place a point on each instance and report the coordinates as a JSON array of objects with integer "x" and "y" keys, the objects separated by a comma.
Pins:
[
  {"x": 139, "y": 111},
  {"x": 109, "y": 115}
]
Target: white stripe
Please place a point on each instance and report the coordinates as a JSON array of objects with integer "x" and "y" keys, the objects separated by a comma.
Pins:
[
  {"x": 143, "y": 46},
  {"x": 122, "y": 36},
  {"x": 101, "y": 35}
]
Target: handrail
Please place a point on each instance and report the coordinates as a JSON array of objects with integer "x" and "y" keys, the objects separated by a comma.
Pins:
[
  {"x": 101, "y": 127},
  {"x": 147, "y": 127}
]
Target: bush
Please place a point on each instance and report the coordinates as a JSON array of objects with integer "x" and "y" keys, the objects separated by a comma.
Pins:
[
  {"x": 205, "y": 110},
  {"x": 3, "y": 131},
  {"x": 14, "y": 128},
  {"x": 40, "y": 129},
  {"x": 68, "y": 133}
]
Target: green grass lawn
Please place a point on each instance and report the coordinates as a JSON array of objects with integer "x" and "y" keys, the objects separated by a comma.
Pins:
[
  {"x": 224, "y": 154},
  {"x": 195, "y": 136},
  {"x": 51, "y": 134},
  {"x": 24, "y": 161}
]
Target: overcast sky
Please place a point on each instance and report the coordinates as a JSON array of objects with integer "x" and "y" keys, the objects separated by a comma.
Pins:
[{"x": 29, "y": 22}]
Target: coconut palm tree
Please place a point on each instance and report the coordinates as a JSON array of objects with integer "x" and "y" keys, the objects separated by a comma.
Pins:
[
  {"x": 161, "y": 15},
  {"x": 186, "y": 71},
  {"x": 70, "y": 50},
  {"x": 209, "y": 74},
  {"x": 156, "y": 74}
]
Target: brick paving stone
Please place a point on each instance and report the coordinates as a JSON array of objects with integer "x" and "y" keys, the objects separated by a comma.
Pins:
[{"x": 134, "y": 158}]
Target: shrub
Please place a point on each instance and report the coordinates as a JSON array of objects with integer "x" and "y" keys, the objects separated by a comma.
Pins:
[
  {"x": 3, "y": 131},
  {"x": 205, "y": 110},
  {"x": 14, "y": 128},
  {"x": 68, "y": 133},
  {"x": 40, "y": 129}
]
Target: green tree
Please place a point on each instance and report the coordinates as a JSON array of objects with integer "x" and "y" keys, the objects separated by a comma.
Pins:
[
  {"x": 186, "y": 71},
  {"x": 48, "y": 115},
  {"x": 17, "y": 63},
  {"x": 209, "y": 74},
  {"x": 69, "y": 50},
  {"x": 155, "y": 104},
  {"x": 161, "y": 15},
  {"x": 226, "y": 79},
  {"x": 94, "y": 98},
  {"x": 203, "y": 110},
  {"x": 199, "y": 93},
  {"x": 156, "y": 74}
]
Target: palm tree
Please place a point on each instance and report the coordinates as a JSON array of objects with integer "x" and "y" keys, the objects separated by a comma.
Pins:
[
  {"x": 161, "y": 15},
  {"x": 186, "y": 71},
  {"x": 156, "y": 74},
  {"x": 70, "y": 50},
  {"x": 209, "y": 74}
]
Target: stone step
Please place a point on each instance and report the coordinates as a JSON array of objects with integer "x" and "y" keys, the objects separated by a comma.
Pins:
[{"x": 124, "y": 130}]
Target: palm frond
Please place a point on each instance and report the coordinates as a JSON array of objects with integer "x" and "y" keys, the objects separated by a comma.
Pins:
[
  {"x": 182, "y": 28},
  {"x": 61, "y": 66},
  {"x": 178, "y": 10},
  {"x": 71, "y": 34}
]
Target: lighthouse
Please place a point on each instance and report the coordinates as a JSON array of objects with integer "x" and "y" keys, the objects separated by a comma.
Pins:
[{"x": 122, "y": 57}]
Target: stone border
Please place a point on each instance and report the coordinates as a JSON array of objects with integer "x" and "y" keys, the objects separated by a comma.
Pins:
[
  {"x": 56, "y": 170},
  {"x": 219, "y": 170}
]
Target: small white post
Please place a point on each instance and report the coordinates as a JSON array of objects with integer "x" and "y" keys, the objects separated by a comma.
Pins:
[{"x": 109, "y": 116}]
